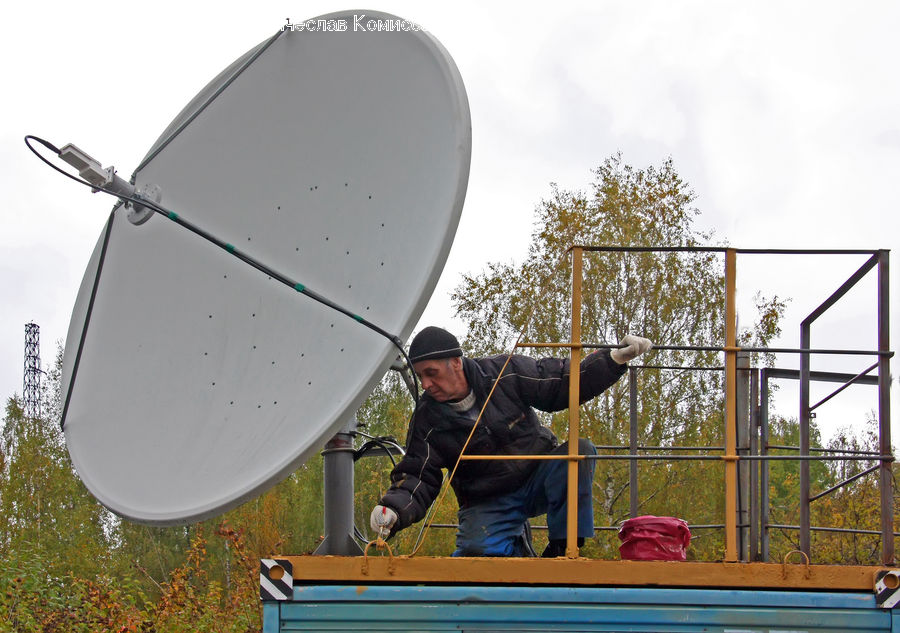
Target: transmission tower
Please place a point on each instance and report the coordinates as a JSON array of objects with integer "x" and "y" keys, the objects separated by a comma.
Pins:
[{"x": 32, "y": 391}]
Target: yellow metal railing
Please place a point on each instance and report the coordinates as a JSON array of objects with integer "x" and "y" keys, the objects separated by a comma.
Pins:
[
  {"x": 731, "y": 350},
  {"x": 575, "y": 345}
]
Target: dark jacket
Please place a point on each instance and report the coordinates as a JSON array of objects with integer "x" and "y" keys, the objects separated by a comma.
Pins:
[{"x": 509, "y": 426}]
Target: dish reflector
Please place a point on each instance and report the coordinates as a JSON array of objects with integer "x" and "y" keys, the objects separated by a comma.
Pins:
[{"x": 338, "y": 158}]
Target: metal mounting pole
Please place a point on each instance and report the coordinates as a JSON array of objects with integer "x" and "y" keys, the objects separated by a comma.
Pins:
[{"x": 338, "y": 488}]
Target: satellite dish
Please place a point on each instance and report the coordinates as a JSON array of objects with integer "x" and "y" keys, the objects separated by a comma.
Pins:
[{"x": 193, "y": 382}]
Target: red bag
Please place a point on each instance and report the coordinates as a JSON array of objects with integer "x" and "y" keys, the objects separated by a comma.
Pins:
[{"x": 654, "y": 538}]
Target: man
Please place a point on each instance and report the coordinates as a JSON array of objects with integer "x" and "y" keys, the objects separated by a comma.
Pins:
[{"x": 495, "y": 497}]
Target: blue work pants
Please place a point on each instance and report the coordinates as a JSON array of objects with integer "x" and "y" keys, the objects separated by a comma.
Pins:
[{"x": 496, "y": 526}]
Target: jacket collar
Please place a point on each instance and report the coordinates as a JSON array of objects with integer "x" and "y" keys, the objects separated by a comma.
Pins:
[{"x": 477, "y": 379}]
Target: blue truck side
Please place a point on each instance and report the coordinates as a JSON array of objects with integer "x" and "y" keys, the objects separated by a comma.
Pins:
[{"x": 407, "y": 608}]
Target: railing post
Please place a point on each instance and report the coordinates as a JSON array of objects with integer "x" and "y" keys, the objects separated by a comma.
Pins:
[
  {"x": 632, "y": 442},
  {"x": 731, "y": 554},
  {"x": 884, "y": 412},
  {"x": 754, "y": 465},
  {"x": 764, "y": 466},
  {"x": 742, "y": 404},
  {"x": 805, "y": 544},
  {"x": 574, "y": 419}
]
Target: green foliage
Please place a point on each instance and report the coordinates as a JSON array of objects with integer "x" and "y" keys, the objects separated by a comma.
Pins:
[
  {"x": 53, "y": 545},
  {"x": 42, "y": 501},
  {"x": 66, "y": 564},
  {"x": 35, "y": 600}
]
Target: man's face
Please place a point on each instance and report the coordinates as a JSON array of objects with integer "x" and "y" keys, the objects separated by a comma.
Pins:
[{"x": 442, "y": 379}]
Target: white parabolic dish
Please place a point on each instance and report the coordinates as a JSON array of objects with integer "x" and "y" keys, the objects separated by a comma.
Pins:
[{"x": 340, "y": 159}]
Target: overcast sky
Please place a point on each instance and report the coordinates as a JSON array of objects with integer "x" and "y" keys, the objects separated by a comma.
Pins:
[{"x": 783, "y": 117}]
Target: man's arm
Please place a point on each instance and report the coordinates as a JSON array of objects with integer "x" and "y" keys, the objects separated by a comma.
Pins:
[
  {"x": 415, "y": 482},
  {"x": 544, "y": 383}
]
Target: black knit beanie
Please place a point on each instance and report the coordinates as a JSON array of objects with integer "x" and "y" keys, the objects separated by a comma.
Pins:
[{"x": 432, "y": 343}]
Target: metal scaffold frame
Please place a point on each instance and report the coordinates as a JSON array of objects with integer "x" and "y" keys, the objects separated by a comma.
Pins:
[
  {"x": 745, "y": 455},
  {"x": 747, "y": 535}
]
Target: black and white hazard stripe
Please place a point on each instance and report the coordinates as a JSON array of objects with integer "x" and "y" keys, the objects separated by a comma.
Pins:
[
  {"x": 887, "y": 589},
  {"x": 276, "y": 581}
]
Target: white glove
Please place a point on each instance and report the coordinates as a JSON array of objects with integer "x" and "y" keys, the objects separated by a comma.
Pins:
[
  {"x": 382, "y": 520},
  {"x": 634, "y": 347}
]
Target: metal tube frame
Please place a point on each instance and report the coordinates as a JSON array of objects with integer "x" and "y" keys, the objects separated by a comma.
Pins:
[
  {"x": 758, "y": 519},
  {"x": 879, "y": 259},
  {"x": 764, "y": 465},
  {"x": 731, "y": 554},
  {"x": 829, "y": 529},
  {"x": 845, "y": 482},
  {"x": 718, "y": 458},
  {"x": 742, "y": 429},
  {"x": 633, "y": 500},
  {"x": 852, "y": 381},
  {"x": 719, "y": 348},
  {"x": 842, "y": 451},
  {"x": 884, "y": 410},
  {"x": 574, "y": 407},
  {"x": 754, "y": 468}
]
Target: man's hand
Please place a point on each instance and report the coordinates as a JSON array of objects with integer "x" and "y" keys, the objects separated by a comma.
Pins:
[
  {"x": 634, "y": 347},
  {"x": 382, "y": 520}
]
